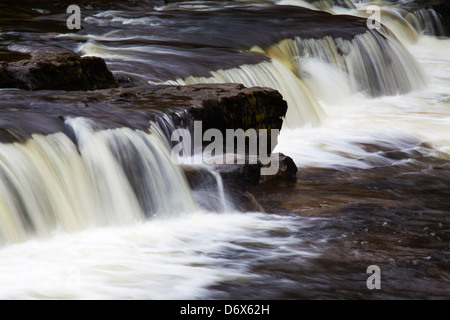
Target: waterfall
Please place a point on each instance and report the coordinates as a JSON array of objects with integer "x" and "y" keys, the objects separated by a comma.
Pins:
[
  {"x": 376, "y": 65},
  {"x": 406, "y": 25},
  {"x": 426, "y": 21},
  {"x": 104, "y": 178}
]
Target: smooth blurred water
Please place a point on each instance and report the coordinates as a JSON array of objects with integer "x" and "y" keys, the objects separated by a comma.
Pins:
[{"x": 373, "y": 185}]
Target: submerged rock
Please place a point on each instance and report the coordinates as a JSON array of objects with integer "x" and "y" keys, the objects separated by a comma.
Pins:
[
  {"x": 246, "y": 202},
  {"x": 57, "y": 71},
  {"x": 286, "y": 169}
]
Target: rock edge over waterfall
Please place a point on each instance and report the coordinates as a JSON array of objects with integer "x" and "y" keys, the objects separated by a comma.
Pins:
[{"x": 219, "y": 106}]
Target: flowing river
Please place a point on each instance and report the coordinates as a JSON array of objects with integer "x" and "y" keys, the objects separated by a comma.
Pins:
[{"x": 368, "y": 126}]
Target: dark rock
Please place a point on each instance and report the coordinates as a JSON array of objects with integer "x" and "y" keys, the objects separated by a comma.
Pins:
[
  {"x": 443, "y": 9},
  {"x": 286, "y": 169},
  {"x": 238, "y": 177},
  {"x": 57, "y": 71},
  {"x": 7, "y": 79},
  {"x": 126, "y": 81},
  {"x": 97, "y": 74}
]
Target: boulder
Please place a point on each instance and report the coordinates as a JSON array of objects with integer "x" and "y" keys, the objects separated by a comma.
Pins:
[
  {"x": 286, "y": 169},
  {"x": 57, "y": 71}
]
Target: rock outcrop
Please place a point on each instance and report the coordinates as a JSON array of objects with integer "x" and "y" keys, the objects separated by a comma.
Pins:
[{"x": 57, "y": 71}]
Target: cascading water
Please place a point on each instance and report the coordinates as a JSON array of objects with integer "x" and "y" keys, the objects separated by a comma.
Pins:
[
  {"x": 367, "y": 126},
  {"x": 106, "y": 178},
  {"x": 376, "y": 65},
  {"x": 426, "y": 21}
]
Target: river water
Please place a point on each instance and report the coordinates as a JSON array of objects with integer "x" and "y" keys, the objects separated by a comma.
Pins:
[{"x": 371, "y": 143}]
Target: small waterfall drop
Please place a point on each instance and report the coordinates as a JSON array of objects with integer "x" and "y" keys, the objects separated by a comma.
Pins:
[
  {"x": 106, "y": 178},
  {"x": 376, "y": 65},
  {"x": 426, "y": 21}
]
